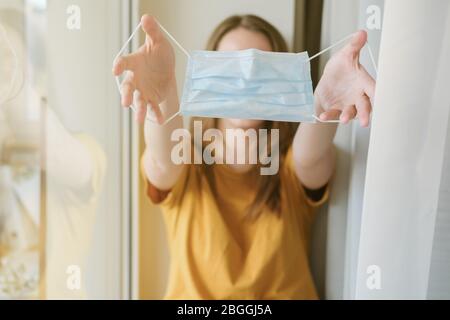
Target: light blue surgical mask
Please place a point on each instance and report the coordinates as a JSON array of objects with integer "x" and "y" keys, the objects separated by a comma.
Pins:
[{"x": 248, "y": 84}]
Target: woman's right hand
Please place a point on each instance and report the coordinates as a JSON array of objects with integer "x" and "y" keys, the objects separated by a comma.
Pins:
[{"x": 151, "y": 72}]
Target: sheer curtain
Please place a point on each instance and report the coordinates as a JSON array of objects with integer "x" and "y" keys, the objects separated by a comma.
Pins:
[{"x": 404, "y": 188}]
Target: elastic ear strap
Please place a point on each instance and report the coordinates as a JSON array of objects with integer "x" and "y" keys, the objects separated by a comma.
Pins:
[
  {"x": 187, "y": 54},
  {"x": 172, "y": 117},
  {"x": 328, "y": 121},
  {"x": 174, "y": 40},
  {"x": 125, "y": 46},
  {"x": 166, "y": 121},
  {"x": 331, "y": 47},
  {"x": 16, "y": 63},
  {"x": 343, "y": 40},
  {"x": 372, "y": 58},
  {"x": 122, "y": 50}
]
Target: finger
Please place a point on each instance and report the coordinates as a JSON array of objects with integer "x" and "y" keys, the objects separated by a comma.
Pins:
[
  {"x": 141, "y": 107},
  {"x": 349, "y": 113},
  {"x": 331, "y": 114},
  {"x": 141, "y": 115},
  {"x": 357, "y": 42},
  {"x": 368, "y": 83},
  {"x": 124, "y": 63},
  {"x": 151, "y": 29},
  {"x": 157, "y": 111},
  {"x": 126, "y": 91},
  {"x": 364, "y": 108},
  {"x": 318, "y": 108}
]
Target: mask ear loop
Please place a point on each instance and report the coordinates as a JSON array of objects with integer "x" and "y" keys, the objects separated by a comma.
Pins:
[
  {"x": 125, "y": 46},
  {"x": 187, "y": 55},
  {"x": 16, "y": 65},
  {"x": 372, "y": 59}
]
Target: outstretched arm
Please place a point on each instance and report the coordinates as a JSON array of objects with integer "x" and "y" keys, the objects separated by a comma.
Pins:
[
  {"x": 151, "y": 82},
  {"x": 343, "y": 92}
]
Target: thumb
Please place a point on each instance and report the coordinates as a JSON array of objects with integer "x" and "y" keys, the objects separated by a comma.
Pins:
[
  {"x": 357, "y": 42},
  {"x": 151, "y": 29}
]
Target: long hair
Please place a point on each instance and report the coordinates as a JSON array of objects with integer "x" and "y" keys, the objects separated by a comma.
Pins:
[{"x": 268, "y": 187}]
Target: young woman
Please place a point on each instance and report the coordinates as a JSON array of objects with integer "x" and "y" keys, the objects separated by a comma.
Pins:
[{"x": 233, "y": 233}]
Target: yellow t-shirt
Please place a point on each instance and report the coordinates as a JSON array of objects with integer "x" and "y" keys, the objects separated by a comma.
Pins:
[{"x": 216, "y": 254}]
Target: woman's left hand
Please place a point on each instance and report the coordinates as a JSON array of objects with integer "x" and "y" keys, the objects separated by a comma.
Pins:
[{"x": 345, "y": 89}]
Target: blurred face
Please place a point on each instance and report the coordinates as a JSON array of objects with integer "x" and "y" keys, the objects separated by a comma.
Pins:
[{"x": 242, "y": 39}]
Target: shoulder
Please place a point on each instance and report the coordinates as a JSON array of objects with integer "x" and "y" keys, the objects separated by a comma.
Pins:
[{"x": 189, "y": 182}]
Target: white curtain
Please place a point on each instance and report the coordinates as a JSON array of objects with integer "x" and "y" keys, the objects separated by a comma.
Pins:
[
  {"x": 341, "y": 219},
  {"x": 404, "y": 184}
]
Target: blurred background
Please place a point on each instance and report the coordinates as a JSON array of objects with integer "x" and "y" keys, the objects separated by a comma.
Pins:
[{"x": 75, "y": 222}]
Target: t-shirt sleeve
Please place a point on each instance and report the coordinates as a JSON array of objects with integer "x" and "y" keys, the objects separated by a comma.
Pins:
[
  {"x": 165, "y": 197},
  {"x": 290, "y": 172}
]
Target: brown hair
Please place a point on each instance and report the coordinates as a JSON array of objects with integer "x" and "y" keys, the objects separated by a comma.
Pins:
[{"x": 268, "y": 188}]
